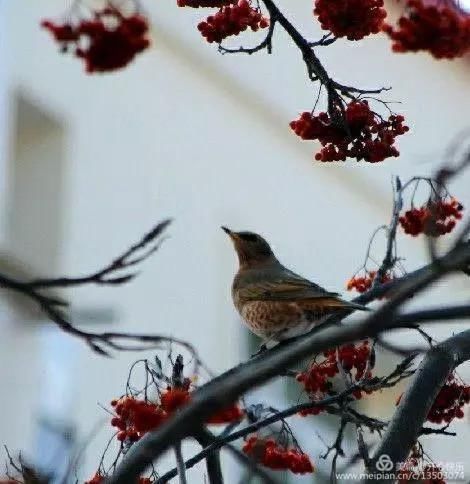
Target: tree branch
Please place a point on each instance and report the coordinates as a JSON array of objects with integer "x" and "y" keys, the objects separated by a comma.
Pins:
[
  {"x": 53, "y": 307},
  {"x": 389, "y": 258},
  {"x": 214, "y": 470},
  {"x": 407, "y": 423},
  {"x": 315, "y": 69},
  {"x": 255, "y": 468},
  {"x": 180, "y": 464},
  {"x": 436, "y": 314},
  {"x": 149, "y": 243},
  {"x": 226, "y": 388},
  {"x": 265, "y": 44}
]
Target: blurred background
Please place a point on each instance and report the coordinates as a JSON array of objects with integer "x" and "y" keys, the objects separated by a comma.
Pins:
[{"x": 89, "y": 163}]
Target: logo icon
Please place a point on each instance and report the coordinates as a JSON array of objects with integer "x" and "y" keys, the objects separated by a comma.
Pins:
[{"x": 384, "y": 463}]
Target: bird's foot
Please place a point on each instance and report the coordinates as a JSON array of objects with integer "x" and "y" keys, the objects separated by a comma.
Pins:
[{"x": 261, "y": 350}]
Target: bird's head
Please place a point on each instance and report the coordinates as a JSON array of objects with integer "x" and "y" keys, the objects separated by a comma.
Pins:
[{"x": 251, "y": 248}]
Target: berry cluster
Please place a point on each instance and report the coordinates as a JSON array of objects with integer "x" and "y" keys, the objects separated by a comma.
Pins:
[
  {"x": 108, "y": 41},
  {"x": 135, "y": 418},
  {"x": 231, "y": 20},
  {"x": 270, "y": 454},
  {"x": 100, "y": 478},
  {"x": 441, "y": 30},
  {"x": 354, "y": 19},
  {"x": 204, "y": 3},
  {"x": 174, "y": 398},
  {"x": 351, "y": 356},
  {"x": 433, "y": 219},
  {"x": 364, "y": 135},
  {"x": 364, "y": 283},
  {"x": 316, "y": 379},
  {"x": 449, "y": 403}
]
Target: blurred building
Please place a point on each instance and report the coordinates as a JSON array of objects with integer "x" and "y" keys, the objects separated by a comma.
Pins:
[{"x": 89, "y": 163}]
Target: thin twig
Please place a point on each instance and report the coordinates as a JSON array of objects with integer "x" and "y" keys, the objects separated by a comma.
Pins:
[
  {"x": 180, "y": 463},
  {"x": 214, "y": 469},
  {"x": 389, "y": 259},
  {"x": 111, "y": 274}
]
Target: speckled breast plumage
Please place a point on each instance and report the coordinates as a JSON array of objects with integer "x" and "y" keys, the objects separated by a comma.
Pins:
[{"x": 270, "y": 319}]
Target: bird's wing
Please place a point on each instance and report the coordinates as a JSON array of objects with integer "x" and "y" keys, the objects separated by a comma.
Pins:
[{"x": 285, "y": 288}]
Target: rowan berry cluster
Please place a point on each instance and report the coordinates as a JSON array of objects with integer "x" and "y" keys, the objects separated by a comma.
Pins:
[
  {"x": 100, "y": 478},
  {"x": 271, "y": 454},
  {"x": 363, "y": 136},
  {"x": 449, "y": 403},
  {"x": 436, "y": 218},
  {"x": 204, "y": 3},
  {"x": 174, "y": 398},
  {"x": 316, "y": 380},
  {"x": 108, "y": 41},
  {"x": 364, "y": 283},
  {"x": 232, "y": 20},
  {"x": 354, "y": 19},
  {"x": 136, "y": 417},
  {"x": 439, "y": 29},
  {"x": 352, "y": 356}
]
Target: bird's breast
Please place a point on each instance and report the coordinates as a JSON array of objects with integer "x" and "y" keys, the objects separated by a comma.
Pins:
[{"x": 269, "y": 315}]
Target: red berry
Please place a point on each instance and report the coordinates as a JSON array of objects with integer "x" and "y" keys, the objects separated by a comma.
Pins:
[
  {"x": 354, "y": 19},
  {"x": 109, "y": 41},
  {"x": 365, "y": 137},
  {"x": 232, "y": 19},
  {"x": 442, "y": 31}
]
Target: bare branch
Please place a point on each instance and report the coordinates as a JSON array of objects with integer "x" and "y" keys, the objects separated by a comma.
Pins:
[
  {"x": 149, "y": 243},
  {"x": 437, "y": 314},
  {"x": 407, "y": 422},
  {"x": 361, "y": 445},
  {"x": 108, "y": 275},
  {"x": 252, "y": 465},
  {"x": 337, "y": 448},
  {"x": 389, "y": 259},
  {"x": 214, "y": 470},
  {"x": 265, "y": 44},
  {"x": 180, "y": 464}
]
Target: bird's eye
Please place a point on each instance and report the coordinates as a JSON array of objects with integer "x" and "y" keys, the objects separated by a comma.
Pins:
[{"x": 249, "y": 237}]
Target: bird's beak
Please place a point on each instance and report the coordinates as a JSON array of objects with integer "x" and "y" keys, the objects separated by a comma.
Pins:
[{"x": 230, "y": 233}]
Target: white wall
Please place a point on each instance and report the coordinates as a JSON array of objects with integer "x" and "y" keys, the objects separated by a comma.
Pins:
[{"x": 186, "y": 133}]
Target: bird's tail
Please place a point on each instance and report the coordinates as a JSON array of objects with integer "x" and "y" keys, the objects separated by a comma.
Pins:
[
  {"x": 342, "y": 304},
  {"x": 353, "y": 305}
]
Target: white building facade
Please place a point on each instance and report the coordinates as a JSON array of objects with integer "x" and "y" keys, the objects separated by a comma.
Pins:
[{"x": 89, "y": 163}]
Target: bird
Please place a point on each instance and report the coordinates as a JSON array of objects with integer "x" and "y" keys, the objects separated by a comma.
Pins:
[{"x": 275, "y": 303}]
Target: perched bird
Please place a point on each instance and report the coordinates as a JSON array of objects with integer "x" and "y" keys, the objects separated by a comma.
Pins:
[{"x": 275, "y": 303}]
